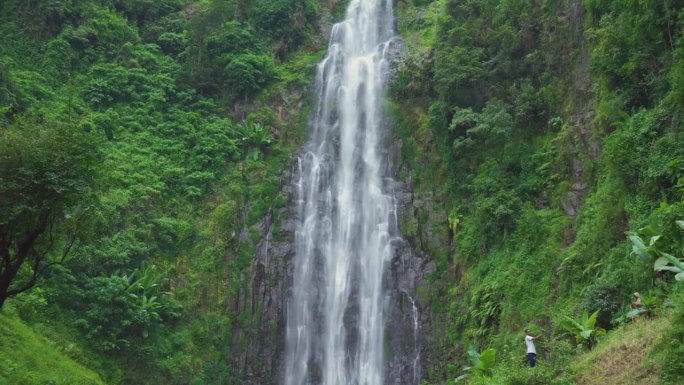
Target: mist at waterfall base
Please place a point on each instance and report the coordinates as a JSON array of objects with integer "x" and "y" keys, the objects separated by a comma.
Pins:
[{"x": 347, "y": 218}]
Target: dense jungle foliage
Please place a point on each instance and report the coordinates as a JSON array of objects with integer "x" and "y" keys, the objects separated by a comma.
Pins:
[
  {"x": 552, "y": 132},
  {"x": 140, "y": 140}
]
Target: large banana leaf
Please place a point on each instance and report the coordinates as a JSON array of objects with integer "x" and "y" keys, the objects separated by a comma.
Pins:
[
  {"x": 639, "y": 248},
  {"x": 474, "y": 356},
  {"x": 634, "y": 312},
  {"x": 487, "y": 359},
  {"x": 591, "y": 321},
  {"x": 482, "y": 362},
  {"x": 571, "y": 325},
  {"x": 663, "y": 264}
]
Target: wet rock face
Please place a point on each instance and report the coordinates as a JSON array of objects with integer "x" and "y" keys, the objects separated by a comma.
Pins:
[
  {"x": 257, "y": 344},
  {"x": 403, "y": 327},
  {"x": 257, "y": 351},
  {"x": 410, "y": 323}
]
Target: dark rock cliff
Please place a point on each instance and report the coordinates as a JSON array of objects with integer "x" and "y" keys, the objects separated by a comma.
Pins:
[{"x": 258, "y": 348}]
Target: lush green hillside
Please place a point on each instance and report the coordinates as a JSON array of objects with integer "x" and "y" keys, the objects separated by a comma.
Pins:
[
  {"x": 547, "y": 132},
  {"x": 139, "y": 141},
  {"x": 143, "y": 142}
]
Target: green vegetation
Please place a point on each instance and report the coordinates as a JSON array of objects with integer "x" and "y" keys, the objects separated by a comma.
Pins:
[
  {"x": 140, "y": 143},
  {"x": 29, "y": 359},
  {"x": 482, "y": 363},
  {"x": 47, "y": 170},
  {"x": 584, "y": 330},
  {"x": 627, "y": 356},
  {"x": 547, "y": 135}
]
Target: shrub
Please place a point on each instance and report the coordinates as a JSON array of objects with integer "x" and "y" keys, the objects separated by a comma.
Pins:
[
  {"x": 247, "y": 74},
  {"x": 606, "y": 298}
]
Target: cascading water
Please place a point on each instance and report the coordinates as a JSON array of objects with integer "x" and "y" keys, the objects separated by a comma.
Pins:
[{"x": 335, "y": 325}]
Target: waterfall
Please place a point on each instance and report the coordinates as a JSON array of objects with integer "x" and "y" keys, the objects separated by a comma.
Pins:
[{"x": 347, "y": 219}]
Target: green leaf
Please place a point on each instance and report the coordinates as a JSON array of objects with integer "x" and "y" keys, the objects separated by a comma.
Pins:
[
  {"x": 571, "y": 325},
  {"x": 591, "y": 322},
  {"x": 680, "y": 224},
  {"x": 653, "y": 240},
  {"x": 680, "y": 276},
  {"x": 649, "y": 231},
  {"x": 637, "y": 242},
  {"x": 635, "y": 312},
  {"x": 586, "y": 334},
  {"x": 668, "y": 268},
  {"x": 474, "y": 356},
  {"x": 584, "y": 319},
  {"x": 639, "y": 248},
  {"x": 487, "y": 359},
  {"x": 662, "y": 261},
  {"x": 674, "y": 261}
]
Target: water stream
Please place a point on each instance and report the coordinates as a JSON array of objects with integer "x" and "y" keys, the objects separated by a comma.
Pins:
[{"x": 335, "y": 319}]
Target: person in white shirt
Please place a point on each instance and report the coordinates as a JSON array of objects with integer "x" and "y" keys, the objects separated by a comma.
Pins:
[{"x": 531, "y": 350}]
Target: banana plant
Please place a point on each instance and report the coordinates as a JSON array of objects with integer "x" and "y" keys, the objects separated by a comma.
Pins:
[
  {"x": 483, "y": 363},
  {"x": 663, "y": 261},
  {"x": 585, "y": 331},
  {"x": 255, "y": 136},
  {"x": 640, "y": 249},
  {"x": 143, "y": 280}
]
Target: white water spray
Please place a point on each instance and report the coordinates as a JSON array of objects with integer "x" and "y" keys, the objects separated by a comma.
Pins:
[{"x": 335, "y": 324}]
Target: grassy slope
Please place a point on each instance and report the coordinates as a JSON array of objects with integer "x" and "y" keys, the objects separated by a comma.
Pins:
[
  {"x": 627, "y": 356},
  {"x": 27, "y": 358}
]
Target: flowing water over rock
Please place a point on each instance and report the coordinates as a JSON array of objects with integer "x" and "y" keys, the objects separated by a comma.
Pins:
[{"x": 347, "y": 231}]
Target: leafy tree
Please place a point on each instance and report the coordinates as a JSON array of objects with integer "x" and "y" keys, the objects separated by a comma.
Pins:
[
  {"x": 286, "y": 22},
  {"x": 247, "y": 74},
  {"x": 606, "y": 298},
  {"x": 491, "y": 127},
  {"x": 232, "y": 38},
  {"x": 143, "y": 10},
  {"x": 47, "y": 176}
]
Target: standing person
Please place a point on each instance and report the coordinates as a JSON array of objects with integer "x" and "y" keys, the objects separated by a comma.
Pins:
[{"x": 531, "y": 350}]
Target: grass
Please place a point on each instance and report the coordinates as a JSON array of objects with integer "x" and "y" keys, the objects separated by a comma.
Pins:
[
  {"x": 625, "y": 357},
  {"x": 27, "y": 358}
]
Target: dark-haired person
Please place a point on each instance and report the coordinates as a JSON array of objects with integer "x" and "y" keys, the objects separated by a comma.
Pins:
[{"x": 531, "y": 350}]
